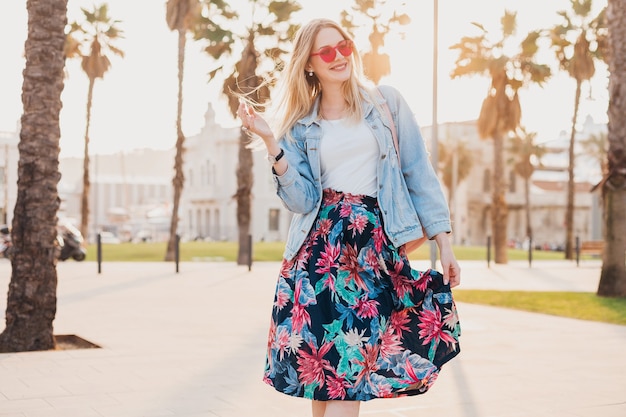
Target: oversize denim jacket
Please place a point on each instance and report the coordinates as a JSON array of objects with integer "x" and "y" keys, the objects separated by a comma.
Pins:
[{"x": 410, "y": 198}]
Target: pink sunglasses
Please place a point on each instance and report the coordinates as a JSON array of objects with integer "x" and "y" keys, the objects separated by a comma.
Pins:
[{"x": 329, "y": 53}]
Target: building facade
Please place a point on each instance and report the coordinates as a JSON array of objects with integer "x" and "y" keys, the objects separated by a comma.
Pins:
[{"x": 131, "y": 193}]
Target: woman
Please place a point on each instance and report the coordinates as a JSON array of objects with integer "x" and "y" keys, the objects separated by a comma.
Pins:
[{"x": 351, "y": 320}]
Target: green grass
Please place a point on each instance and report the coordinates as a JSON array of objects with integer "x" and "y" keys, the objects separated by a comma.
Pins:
[
  {"x": 577, "y": 305},
  {"x": 268, "y": 251},
  {"x": 586, "y": 306}
]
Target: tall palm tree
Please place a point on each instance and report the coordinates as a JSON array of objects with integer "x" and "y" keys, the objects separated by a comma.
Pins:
[
  {"x": 523, "y": 149},
  {"x": 31, "y": 301},
  {"x": 92, "y": 41},
  {"x": 501, "y": 111},
  {"x": 613, "y": 274},
  {"x": 455, "y": 161},
  {"x": 270, "y": 25},
  {"x": 576, "y": 44},
  {"x": 375, "y": 63},
  {"x": 181, "y": 16}
]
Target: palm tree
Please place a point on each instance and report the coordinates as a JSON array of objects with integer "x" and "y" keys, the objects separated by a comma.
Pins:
[
  {"x": 376, "y": 64},
  {"x": 31, "y": 301},
  {"x": 270, "y": 25},
  {"x": 181, "y": 16},
  {"x": 523, "y": 149},
  {"x": 455, "y": 161},
  {"x": 501, "y": 111},
  {"x": 613, "y": 274},
  {"x": 596, "y": 148},
  {"x": 576, "y": 44},
  {"x": 92, "y": 41}
]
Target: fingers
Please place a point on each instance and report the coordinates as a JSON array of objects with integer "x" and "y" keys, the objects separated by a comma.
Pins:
[
  {"x": 246, "y": 114},
  {"x": 452, "y": 274}
]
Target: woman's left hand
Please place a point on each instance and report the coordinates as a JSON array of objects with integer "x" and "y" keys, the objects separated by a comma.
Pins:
[{"x": 451, "y": 268}]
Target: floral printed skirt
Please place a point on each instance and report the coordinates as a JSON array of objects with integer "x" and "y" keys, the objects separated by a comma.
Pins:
[{"x": 351, "y": 320}]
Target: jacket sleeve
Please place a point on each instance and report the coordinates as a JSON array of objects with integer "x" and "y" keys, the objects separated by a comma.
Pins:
[
  {"x": 297, "y": 186},
  {"x": 422, "y": 182}
]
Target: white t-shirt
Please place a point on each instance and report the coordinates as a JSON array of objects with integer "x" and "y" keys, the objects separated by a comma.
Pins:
[{"x": 349, "y": 154}]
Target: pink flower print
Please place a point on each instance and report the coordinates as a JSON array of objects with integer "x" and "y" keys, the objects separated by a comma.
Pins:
[
  {"x": 346, "y": 210},
  {"x": 283, "y": 340},
  {"x": 285, "y": 268},
  {"x": 399, "y": 321},
  {"x": 366, "y": 308},
  {"x": 312, "y": 364},
  {"x": 357, "y": 224},
  {"x": 379, "y": 238},
  {"x": 369, "y": 363},
  {"x": 282, "y": 298},
  {"x": 422, "y": 283},
  {"x": 303, "y": 257},
  {"x": 324, "y": 227},
  {"x": 336, "y": 387},
  {"x": 372, "y": 261},
  {"x": 349, "y": 262},
  {"x": 390, "y": 344},
  {"x": 431, "y": 327},
  {"x": 299, "y": 316},
  {"x": 328, "y": 258},
  {"x": 352, "y": 198},
  {"x": 331, "y": 197},
  {"x": 401, "y": 283}
]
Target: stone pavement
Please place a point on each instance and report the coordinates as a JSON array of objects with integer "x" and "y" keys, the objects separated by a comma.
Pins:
[{"x": 192, "y": 344}]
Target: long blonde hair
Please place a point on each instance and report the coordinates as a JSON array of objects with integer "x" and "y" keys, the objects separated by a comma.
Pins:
[{"x": 296, "y": 91}]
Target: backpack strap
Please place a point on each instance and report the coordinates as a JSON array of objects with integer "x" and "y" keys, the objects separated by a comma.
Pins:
[{"x": 394, "y": 133}]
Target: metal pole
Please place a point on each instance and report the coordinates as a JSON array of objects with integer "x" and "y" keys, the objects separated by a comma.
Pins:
[
  {"x": 99, "y": 250},
  {"x": 249, "y": 252},
  {"x": 434, "y": 139},
  {"x": 488, "y": 250},
  {"x": 530, "y": 251},
  {"x": 177, "y": 252}
]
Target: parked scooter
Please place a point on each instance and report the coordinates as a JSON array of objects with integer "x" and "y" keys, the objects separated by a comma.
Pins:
[
  {"x": 70, "y": 242},
  {"x": 6, "y": 247}
]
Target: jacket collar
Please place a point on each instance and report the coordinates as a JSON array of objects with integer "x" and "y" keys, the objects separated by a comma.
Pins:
[{"x": 313, "y": 116}]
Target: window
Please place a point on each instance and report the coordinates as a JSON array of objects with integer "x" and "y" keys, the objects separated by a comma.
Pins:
[
  {"x": 512, "y": 181},
  {"x": 274, "y": 215},
  {"x": 486, "y": 181}
]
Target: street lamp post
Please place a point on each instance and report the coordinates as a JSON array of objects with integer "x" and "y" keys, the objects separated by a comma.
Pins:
[{"x": 434, "y": 138}]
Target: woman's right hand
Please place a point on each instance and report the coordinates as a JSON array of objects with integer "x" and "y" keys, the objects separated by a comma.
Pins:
[{"x": 252, "y": 122}]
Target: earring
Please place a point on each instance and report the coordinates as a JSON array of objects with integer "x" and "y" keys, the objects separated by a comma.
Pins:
[{"x": 310, "y": 73}]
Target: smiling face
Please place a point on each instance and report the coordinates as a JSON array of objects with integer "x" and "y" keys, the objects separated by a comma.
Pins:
[{"x": 336, "y": 71}]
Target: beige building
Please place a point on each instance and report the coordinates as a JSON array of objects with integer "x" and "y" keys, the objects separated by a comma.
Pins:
[
  {"x": 131, "y": 193},
  {"x": 548, "y": 193}
]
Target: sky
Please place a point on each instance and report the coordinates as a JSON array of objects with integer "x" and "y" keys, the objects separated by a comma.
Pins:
[{"x": 135, "y": 104}]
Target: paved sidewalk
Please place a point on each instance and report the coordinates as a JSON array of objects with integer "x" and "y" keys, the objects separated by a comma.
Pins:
[{"x": 192, "y": 344}]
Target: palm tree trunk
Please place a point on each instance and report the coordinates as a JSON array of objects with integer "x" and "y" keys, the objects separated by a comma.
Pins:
[
  {"x": 84, "y": 206},
  {"x": 613, "y": 274},
  {"x": 569, "y": 212},
  {"x": 31, "y": 301},
  {"x": 179, "y": 177},
  {"x": 499, "y": 212},
  {"x": 245, "y": 179}
]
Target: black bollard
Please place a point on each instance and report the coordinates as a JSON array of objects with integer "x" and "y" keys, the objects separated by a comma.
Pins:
[
  {"x": 577, "y": 250},
  {"x": 99, "y": 252},
  {"x": 530, "y": 252},
  {"x": 177, "y": 252},
  {"x": 249, "y": 252},
  {"x": 488, "y": 250}
]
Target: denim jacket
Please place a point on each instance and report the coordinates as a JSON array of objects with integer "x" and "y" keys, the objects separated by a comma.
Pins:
[{"x": 410, "y": 198}]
